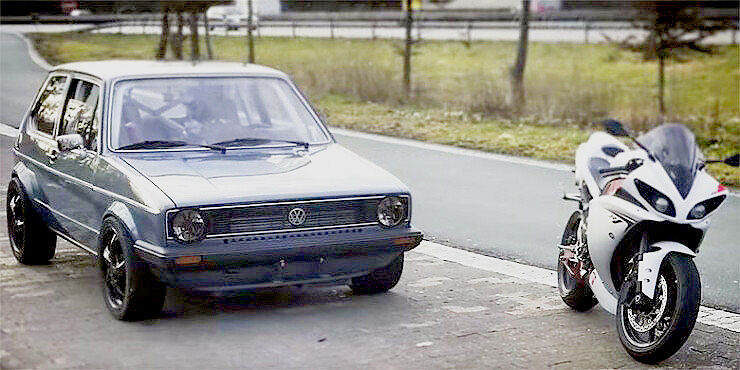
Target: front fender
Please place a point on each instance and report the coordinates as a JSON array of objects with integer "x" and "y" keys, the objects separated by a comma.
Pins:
[
  {"x": 649, "y": 267},
  {"x": 121, "y": 212},
  {"x": 28, "y": 180}
]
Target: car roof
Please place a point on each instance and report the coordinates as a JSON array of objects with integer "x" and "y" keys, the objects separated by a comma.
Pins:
[{"x": 114, "y": 69}]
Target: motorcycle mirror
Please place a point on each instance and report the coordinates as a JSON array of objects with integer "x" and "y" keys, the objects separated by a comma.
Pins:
[
  {"x": 614, "y": 127},
  {"x": 733, "y": 160}
]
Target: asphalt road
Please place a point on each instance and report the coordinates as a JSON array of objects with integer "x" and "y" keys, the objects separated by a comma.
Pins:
[{"x": 504, "y": 209}]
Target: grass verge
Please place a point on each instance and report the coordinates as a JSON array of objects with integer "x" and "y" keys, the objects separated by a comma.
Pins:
[{"x": 460, "y": 90}]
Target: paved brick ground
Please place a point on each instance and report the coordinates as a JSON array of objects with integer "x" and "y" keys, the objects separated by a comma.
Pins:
[{"x": 441, "y": 315}]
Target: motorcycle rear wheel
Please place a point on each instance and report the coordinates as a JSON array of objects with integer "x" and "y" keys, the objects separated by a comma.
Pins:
[
  {"x": 574, "y": 292},
  {"x": 651, "y": 337}
]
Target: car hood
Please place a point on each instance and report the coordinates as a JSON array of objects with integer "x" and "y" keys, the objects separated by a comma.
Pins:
[{"x": 197, "y": 178}]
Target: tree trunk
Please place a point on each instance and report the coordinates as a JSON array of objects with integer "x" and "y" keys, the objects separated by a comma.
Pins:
[
  {"x": 250, "y": 36},
  {"x": 177, "y": 38},
  {"x": 517, "y": 71},
  {"x": 194, "y": 41},
  {"x": 661, "y": 85},
  {"x": 162, "y": 51},
  {"x": 209, "y": 48},
  {"x": 407, "y": 49}
]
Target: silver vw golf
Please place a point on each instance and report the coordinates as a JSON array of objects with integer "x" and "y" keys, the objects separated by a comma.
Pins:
[{"x": 212, "y": 177}]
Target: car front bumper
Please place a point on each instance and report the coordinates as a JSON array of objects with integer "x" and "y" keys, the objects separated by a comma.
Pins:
[{"x": 259, "y": 261}]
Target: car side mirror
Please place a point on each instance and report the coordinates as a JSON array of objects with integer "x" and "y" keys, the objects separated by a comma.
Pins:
[
  {"x": 69, "y": 142},
  {"x": 614, "y": 127},
  {"x": 733, "y": 160}
]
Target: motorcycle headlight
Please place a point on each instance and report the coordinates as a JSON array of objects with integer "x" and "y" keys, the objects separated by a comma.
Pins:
[
  {"x": 706, "y": 207},
  {"x": 657, "y": 200},
  {"x": 391, "y": 211},
  {"x": 698, "y": 211},
  {"x": 188, "y": 226}
]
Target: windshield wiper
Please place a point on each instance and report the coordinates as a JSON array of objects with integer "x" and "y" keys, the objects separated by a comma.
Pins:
[
  {"x": 258, "y": 140},
  {"x": 156, "y": 144}
]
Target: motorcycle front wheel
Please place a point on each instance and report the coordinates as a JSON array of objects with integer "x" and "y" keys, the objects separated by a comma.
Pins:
[{"x": 652, "y": 332}]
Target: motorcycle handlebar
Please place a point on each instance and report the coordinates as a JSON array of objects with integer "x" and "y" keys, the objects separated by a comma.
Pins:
[
  {"x": 611, "y": 170},
  {"x": 629, "y": 167}
]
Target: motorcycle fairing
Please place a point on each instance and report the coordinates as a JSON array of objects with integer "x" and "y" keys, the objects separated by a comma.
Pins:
[
  {"x": 592, "y": 156},
  {"x": 609, "y": 218}
]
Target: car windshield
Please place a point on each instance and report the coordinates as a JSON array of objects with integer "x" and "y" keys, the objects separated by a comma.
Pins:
[
  {"x": 674, "y": 146},
  {"x": 242, "y": 111}
]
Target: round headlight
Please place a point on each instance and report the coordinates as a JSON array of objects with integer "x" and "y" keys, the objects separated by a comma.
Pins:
[
  {"x": 698, "y": 211},
  {"x": 391, "y": 211},
  {"x": 188, "y": 226},
  {"x": 661, "y": 204}
]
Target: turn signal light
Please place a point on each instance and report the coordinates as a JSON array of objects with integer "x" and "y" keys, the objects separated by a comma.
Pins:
[
  {"x": 187, "y": 260},
  {"x": 404, "y": 242}
]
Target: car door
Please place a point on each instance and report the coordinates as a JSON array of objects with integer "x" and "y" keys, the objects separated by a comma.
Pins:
[
  {"x": 74, "y": 168},
  {"x": 37, "y": 147}
]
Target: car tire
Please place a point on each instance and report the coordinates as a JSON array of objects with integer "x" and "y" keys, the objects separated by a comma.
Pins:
[
  {"x": 31, "y": 240},
  {"x": 379, "y": 280},
  {"x": 130, "y": 290}
]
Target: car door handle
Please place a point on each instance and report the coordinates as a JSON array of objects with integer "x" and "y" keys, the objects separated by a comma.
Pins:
[{"x": 53, "y": 154}]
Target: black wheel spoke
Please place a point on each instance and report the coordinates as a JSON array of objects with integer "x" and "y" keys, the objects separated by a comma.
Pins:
[{"x": 114, "y": 269}]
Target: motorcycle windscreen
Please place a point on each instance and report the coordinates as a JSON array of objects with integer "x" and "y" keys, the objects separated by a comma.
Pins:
[{"x": 674, "y": 146}]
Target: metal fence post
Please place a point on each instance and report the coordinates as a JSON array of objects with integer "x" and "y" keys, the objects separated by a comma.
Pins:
[
  {"x": 468, "y": 34},
  {"x": 586, "y": 28},
  {"x": 292, "y": 26},
  {"x": 372, "y": 29},
  {"x": 331, "y": 27}
]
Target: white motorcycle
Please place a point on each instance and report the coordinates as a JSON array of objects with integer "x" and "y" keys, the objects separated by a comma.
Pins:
[{"x": 642, "y": 216}]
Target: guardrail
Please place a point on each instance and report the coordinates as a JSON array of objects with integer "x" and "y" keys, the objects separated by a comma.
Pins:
[{"x": 380, "y": 16}]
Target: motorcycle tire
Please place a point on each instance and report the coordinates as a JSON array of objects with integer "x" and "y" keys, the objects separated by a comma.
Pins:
[
  {"x": 574, "y": 292},
  {"x": 656, "y": 335}
]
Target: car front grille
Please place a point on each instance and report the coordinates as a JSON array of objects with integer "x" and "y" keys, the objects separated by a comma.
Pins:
[{"x": 274, "y": 217}]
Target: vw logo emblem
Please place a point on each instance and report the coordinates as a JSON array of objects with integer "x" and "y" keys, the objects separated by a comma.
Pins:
[{"x": 297, "y": 216}]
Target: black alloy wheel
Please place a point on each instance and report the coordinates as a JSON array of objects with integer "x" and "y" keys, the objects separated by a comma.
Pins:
[{"x": 31, "y": 241}]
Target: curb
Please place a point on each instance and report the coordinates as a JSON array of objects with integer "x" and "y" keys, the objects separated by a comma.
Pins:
[
  {"x": 32, "y": 53},
  {"x": 708, "y": 316}
]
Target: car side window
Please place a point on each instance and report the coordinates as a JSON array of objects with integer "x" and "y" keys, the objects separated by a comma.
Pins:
[
  {"x": 81, "y": 113},
  {"x": 49, "y": 105}
]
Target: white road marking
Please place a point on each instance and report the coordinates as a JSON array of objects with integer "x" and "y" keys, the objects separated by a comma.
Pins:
[
  {"x": 709, "y": 316},
  {"x": 458, "y": 151},
  {"x": 452, "y": 150},
  {"x": 32, "y": 53},
  {"x": 8, "y": 131}
]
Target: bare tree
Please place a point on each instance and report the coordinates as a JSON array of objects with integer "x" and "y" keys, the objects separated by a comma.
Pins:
[
  {"x": 672, "y": 27},
  {"x": 162, "y": 50},
  {"x": 250, "y": 27},
  {"x": 517, "y": 71},
  {"x": 177, "y": 38},
  {"x": 209, "y": 48},
  {"x": 194, "y": 41},
  {"x": 407, "y": 48}
]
